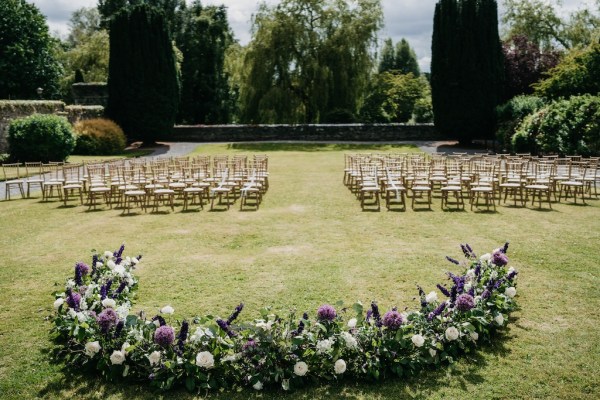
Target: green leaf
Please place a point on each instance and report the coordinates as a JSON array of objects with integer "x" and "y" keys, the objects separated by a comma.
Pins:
[
  {"x": 358, "y": 308},
  {"x": 190, "y": 383}
]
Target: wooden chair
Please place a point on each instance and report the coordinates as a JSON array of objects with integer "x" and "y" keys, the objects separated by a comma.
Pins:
[
  {"x": 13, "y": 178},
  {"x": 73, "y": 184}
]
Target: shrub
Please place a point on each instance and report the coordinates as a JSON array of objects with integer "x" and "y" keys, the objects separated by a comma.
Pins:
[
  {"x": 339, "y": 116},
  {"x": 510, "y": 115},
  {"x": 40, "y": 138},
  {"x": 99, "y": 137},
  {"x": 566, "y": 127},
  {"x": 423, "y": 111}
]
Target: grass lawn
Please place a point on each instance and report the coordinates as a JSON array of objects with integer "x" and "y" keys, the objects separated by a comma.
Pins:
[{"x": 309, "y": 244}]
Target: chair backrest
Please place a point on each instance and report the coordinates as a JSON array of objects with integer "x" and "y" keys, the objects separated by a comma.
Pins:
[{"x": 11, "y": 171}]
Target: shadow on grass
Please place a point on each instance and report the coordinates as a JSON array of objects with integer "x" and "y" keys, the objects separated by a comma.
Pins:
[{"x": 313, "y": 147}]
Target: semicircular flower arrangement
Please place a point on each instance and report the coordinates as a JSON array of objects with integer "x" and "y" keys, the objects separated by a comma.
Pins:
[{"x": 96, "y": 331}]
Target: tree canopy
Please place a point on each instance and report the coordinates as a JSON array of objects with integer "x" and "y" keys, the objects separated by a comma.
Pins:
[
  {"x": 401, "y": 58},
  {"x": 308, "y": 58},
  {"x": 27, "y": 52}
]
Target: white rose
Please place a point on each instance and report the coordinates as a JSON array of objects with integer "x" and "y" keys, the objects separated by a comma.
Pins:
[
  {"x": 109, "y": 303},
  {"x": 92, "y": 348},
  {"x": 474, "y": 336},
  {"x": 122, "y": 311},
  {"x": 418, "y": 340},
  {"x": 258, "y": 385},
  {"x": 99, "y": 264},
  {"x": 352, "y": 323},
  {"x": 205, "y": 360},
  {"x": 111, "y": 264},
  {"x": 350, "y": 340},
  {"x": 323, "y": 346},
  {"x": 340, "y": 366},
  {"x": 432, "y": 352},
  {"x": 154, "y": 358},
  {"x": 300, "y": 368},
  {"x": 117, "y": 357},
  {"x": 499, "y": 319},
  {"x": 167, "y": 310},
  {"x": 58, "y": 302},
  {"x": 452, "y": 333},
  {"x": 432, "y": 296},
  {"x": 108, "y": 254},
  {"x": 71, "y": 313},
  {"x": 119, "y": 270},
  {"x": 510, "y": 292},
  {"x": 485, "y": 258}
]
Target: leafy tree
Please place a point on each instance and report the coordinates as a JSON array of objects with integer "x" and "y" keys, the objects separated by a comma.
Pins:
[
  {"x": 27, "y": 52},
  {"x": 308, "y": 58},
  {"x": 203, "y": 41},
  {"x": 109, "y": 8},
  {"x": 388, "y": 56},
  {"x": 524, "y": 64},
  {"x": 405, "y": 59},
  {"x": 466, "y": 68},
  {"x": 143, "y": 84},
  {"x": 577, "y": 73},
  {"x": 84, "y": 23}
]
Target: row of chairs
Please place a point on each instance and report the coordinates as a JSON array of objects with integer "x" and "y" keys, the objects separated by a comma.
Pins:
[
  {"x": 146, "y": 183},
  {"x": 483, "y": 180}
]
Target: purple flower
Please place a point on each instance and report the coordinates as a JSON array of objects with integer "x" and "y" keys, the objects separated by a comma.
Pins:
[
  {"x": 486, "y": 294},
  {"x": 443, "y": 290},
  {"x": 119, "y": 329},
  {"x": 225, "y": 326},
  {"x": 452, "y": 260},
  {"x": 392, "y": 320},
  {"x": 504, "y": 248},
  {"x": 375, "y": 313},
  {"x": 78, "y": 279},
  {"x": 161, "y": 320},
  {"x": 183, "y": 334},
  {"x": 164, "y": 335},
  {"x": 119, "y": 252},
  {"x": 107, "y": 319},
  {"x": 437, "y": 311},
  {"x": 465, "y": 302},
  {"x": 422, "y": 296},
  {"x": 472, "y": 291},
  {"x": 84, "y": 268},
  {"x": 326, "y": 313},
  {"x": 249, "y": 345},
  {"x": 467, "y": 250},
  {"x": 499, "y": 259},
  {"x": 511, "y": 275},
  {"x": 121, "y": 287},
  {"x": 73, "y": 300},
  {"x": 235, "y": 314}
]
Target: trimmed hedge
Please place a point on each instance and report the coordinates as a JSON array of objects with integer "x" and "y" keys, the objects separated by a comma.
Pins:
[
  {"x": 40, "y": 138},
  {"x": 99, "y": 137}
]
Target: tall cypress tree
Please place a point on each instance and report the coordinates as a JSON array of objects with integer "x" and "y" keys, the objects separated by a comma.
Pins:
[
  {"x": 466, "y": 68},
  {"x": 405, "y": 59},
  {"x": 143, "y": 85}
]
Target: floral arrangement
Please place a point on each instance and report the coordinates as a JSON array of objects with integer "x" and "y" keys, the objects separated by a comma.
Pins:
[{"x": 97, "y": 331}]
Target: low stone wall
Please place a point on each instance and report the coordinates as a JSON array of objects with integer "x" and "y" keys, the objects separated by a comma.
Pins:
[
  {"x": 333, "y": 133},
  {"x": 95, "y": 93}
]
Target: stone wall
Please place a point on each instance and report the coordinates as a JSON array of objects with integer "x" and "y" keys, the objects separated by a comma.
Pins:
[
  {"x": 88, "y": 94},
  {"x": 333, "y": 133}
]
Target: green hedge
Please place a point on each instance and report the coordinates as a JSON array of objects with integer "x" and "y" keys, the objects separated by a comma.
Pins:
[
  {"x": 99, "y": 137},
  {"x": 40, "y": 138}
]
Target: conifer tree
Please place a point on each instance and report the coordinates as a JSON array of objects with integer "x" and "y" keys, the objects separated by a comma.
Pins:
[{"x": 405, "y": 59}]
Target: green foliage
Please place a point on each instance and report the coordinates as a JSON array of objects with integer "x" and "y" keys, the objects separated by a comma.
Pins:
[
  {"x": 510, "y": 115},
  {"x": 143, "y": 85},
  {"x": 108, "y": 9},
  {"x": 466, "y": 68},
  {"x": 27, "y": 59},
  {"x": 99, "y": 137},
  {"x": 402, "y": 58},
  {"x": 577, "y": 73},
  {"x": 565, "y": 127},
  {"x": 339, "y": 116},
  {"x": 307, "y": 58},
  {"x": 388, "y": 55},
  {"x": 423, "y": 111},
  {"x": 203, "y": 41},
  {"x": 40, "y": 138}
]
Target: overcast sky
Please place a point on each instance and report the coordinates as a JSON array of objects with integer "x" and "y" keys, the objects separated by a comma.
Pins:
[{"x": 411, "y": 19}]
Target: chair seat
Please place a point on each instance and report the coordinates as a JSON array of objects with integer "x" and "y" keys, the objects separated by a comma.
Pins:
[
  {"x": 421, "y": 188},
  {"x": 451, "y": 188},
  {"x": 164, "y": 191},
  {"x": 481, "y": 189},
  {"x": 73, "y": 186},
  {"x": 537, "y": 187},
  {"x": 572, "y": 183},
  {"x": 135, "y": 193},
  {"x": 99, "y": 189}
]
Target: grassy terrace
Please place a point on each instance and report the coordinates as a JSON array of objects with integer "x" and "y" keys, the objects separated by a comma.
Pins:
[{"x": 308, "y": 244}]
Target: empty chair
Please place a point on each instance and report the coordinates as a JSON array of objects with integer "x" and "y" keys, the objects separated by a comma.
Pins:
[{"x": 13, "y": 179}]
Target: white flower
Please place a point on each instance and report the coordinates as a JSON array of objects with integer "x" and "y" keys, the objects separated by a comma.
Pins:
[
  {"x": 323, "y": 346},
  {"x": 350, "y": 340},
  {"x": 285, "y": 384},
  {"x": 167, "y": 310},
  {"x": 109, "y": 303},
  {"x": 122, "y": 311},
  {"x": 71, "y": 283},
  {"x": 205, "y": 360},
  {"x": 510, "y": 292},
  {"x": 340, "y": 366},
  {"x": 352, "y": 323},
  {"x": 111, "y": 264},
  {"x": 499, "y": 319},
  {"x": 58, "y": 302},
  {"x": 117, "y": 357},
  {"x": 134, "y": 260},
  {"x": 119, "y": 270},
  {"x": 92, "y": 348},
  {"x": 471, "y": 273},
  {"x": 197, "y": 336},
  {"x": 124, "y": 348},
  {"x": 474, "y": 336},
  {"x": 511, "y": 270},
  {"x": 231, "y": 357},
  {"x": 300, "y": 368},
  {"x": 99, "y": 264},
  {"x": 418, "y": 340},
  {"x": 71, "y": 313},
  {"x": 432, "y": 352},
  {"x": 258, "y": 385},
  {"x": 452, "y": 333},
  {"x": 156, "y": 323},
  {"x": 432, "y": 296},
  {"x": 494, "y": 275},
  {"x": 108, "y": 254},
  {"x": 90, "y": 289},
  {"x": 264, "y": 325},
  {"x": 485, "y": 258},
  {"x": 81, "y": 317}
]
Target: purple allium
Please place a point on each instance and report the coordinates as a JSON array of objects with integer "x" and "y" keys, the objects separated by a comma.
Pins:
[
  {"x": 499, "y": 259},
  {"x": 73, "y": 300},
  {"x": 465, "y": 302},
  {"x": 326, "y": 313},
  {"x": 164, "y": 335},
  {"x": 235, "y": 314},
  {"x": 107, "y": 319},
  {"x": 84, "y": 268},
  {"x": 392, "y": 320},
  {"x": 452, "y": 260},
  {"x": 121, "y": 287},
  {"x": 444, "y": 291},
  {"x": 119, "y": 329},
  {"x": 376, "y": 314},
  {"x": 161, "y": 320},
  {"x": 486, "y": 294},
  {"x": 437, "y": 311},
  {"x": 505, "y": 248}
]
